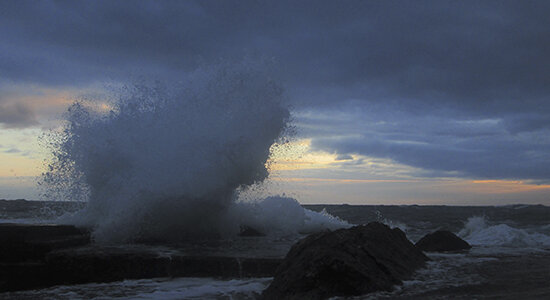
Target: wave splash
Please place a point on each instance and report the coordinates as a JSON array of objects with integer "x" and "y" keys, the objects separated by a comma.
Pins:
[
  {"x": 476, "y": 231},
  {"x": 166, "y": 163}
]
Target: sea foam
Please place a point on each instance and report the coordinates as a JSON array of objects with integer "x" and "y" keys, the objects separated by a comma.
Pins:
[{"x": 477, "y": 231}]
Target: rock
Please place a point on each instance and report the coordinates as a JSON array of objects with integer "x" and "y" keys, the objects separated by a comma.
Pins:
[
  {"x": 346, "y": 262},
  {"x": 441, "y": 241},
  {"x": 104, "y": 264},
  {"x": 29, "y": 242},
  {"x": 23, "y": 251},
  {"x": 107, "y": 264},
  {"x": 39, "y": 256}
]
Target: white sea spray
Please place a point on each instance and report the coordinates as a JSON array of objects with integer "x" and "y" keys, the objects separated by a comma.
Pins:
[
  {"x": 477, "y": 231},
  {"x": 166, "y": 162}
]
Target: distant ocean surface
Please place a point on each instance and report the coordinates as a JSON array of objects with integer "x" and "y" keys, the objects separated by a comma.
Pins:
[{"x": 510, "y": 258}]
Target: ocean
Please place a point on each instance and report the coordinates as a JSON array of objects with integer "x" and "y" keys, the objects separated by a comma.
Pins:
[{"x": 510, "y": 257}]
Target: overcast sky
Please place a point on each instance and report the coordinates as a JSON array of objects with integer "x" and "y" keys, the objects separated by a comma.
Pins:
[{"x": 436, "y": 89}]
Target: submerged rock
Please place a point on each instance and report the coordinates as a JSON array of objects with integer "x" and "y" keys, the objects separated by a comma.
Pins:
[
  {"x": 441, "y": 241},
  {"x": 346, "y": 262}
]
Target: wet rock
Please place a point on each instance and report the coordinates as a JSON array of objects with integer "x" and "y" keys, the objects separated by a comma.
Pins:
[
  {"x": 346, "y": 262},
  {"x": 104, "y": 264},
  {"x": 38, "y": 256},
  {"x": 441, "y": 241},
  {"x": 24, "y": 248},
  {"x": 107, "y": 264},
  {"x": 30, "y": 242}
]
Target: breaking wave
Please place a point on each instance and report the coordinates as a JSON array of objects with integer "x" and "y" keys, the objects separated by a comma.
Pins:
[
  {"x": 168, "y": 163},
  {"x": 278, "y": 215},
  {"x": 476, "y": 231}
]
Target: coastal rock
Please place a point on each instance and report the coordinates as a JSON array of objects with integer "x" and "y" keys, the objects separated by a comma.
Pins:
[
  {"x": 38, "y": 256},
  {"x": 441, "y": 241},
  {"x": 28, "y": 242},
  {"x": 107, "y": 264},
  {"x": 346, "y": 262}
]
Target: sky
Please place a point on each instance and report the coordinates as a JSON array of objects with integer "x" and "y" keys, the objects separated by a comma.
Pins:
[{"x": 394, "y": 102}]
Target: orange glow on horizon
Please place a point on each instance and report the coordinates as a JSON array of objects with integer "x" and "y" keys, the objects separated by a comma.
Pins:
[
  {"x": 16, "y": 165},
  {"x": 506, "y": 186},
  {"x": 296, "y": 155},
  {"x": 345, "y": 181}
]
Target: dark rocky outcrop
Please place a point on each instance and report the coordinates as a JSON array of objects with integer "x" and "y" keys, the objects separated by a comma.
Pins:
[
  {"x": 105, "y": 264},
  {"x": 27, "y": 243},
  {"x": 37, "y": 256},
  {"x": 441, "y": 241},
  {"x": 24, "y": 248},
  {"x": 346, "y": 262}
]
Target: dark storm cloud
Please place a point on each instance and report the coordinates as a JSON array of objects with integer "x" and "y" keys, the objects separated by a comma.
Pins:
[
  {"x": 16, "y": 115},
  {"x": 444, "y": 145},
  {"x": 68, "y": 42},
  {"x": 455, "y": 86},
  {"x": 473, "y": 158},
  {"x": 435, "y": 50}
]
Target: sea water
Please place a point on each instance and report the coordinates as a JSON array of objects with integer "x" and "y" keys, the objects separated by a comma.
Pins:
[{"x": 510, "y": 258}]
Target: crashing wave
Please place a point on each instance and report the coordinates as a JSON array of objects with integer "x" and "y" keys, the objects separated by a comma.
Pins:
[
  {"x": 476, "y": 231},
  {"x": 166, "y": 163}
]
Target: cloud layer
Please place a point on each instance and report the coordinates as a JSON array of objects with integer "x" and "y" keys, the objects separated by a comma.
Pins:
[
  {"x": 16, "y": 115},
  {"x": 442, "y": 144},
  {"x": 455, "y": 88}
]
